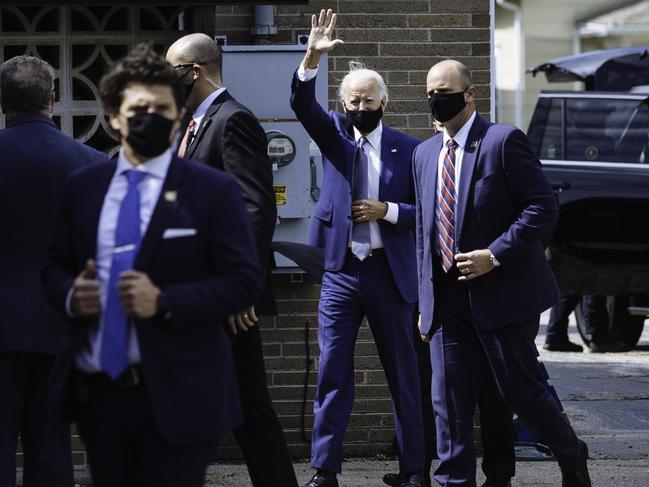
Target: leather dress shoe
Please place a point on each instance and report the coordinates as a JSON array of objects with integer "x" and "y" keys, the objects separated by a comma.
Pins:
[
  {"x": 609, "y": 347},
  {"x": 578, "y": 477},
  {"x": 397, "y": 479},
  {"x": 497, "y": 482},
  {"x": 323, "y": 480},
  {"x": 394, "y": 479},
  {"x": 566, "y": 346},
  {"x": 413, "y": 480}
]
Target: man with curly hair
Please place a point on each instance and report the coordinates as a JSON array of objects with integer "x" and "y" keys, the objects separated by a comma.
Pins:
[{"x": 144, "y": 267}]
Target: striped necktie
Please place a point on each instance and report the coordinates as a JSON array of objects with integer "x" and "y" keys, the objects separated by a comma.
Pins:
[
  {"x": 446, "y": 208},
  {"x": 187, "y": 139}
]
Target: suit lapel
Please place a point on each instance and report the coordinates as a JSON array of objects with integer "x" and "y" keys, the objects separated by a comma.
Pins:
[
  {"x": 471, "y": 151},
  {"x": 164, "y": 213},
  {"x": 389, "y": 157},
  {"x": 91, "y": 208},
  {"x": 206, "y": 122},
  {"x": 429, "y": 185}
]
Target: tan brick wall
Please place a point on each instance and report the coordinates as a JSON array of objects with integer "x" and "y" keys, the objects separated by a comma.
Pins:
[{"x": 401, "y": 39}]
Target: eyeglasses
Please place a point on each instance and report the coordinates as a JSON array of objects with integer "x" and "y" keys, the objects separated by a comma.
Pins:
[{"x": 186, "y": 65}]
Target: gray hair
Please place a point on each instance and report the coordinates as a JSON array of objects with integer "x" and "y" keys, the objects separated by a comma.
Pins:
[
  {"x": 26, "y": 85},
  {"x": 357, "y": 71}
]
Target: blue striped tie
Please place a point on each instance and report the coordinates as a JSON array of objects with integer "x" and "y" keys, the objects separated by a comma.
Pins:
[{"x": 114, "y": 344}]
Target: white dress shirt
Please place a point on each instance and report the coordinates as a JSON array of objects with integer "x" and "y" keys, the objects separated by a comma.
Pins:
[
  {"x": 201, "y": 110},
  {"x": 89, "y": 359},
  {"x": 373, "y": 152}
]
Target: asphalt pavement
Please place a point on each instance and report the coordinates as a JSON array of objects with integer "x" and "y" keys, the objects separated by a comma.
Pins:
[{"x": 606, "y": 398}]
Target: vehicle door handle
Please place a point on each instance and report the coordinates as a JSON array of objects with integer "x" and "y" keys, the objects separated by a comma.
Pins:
[{"x": 560, "y": 187}]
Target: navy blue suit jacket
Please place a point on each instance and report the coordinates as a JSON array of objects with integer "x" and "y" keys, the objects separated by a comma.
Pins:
[
  {"x": 187, "y": 359},
  {"x": 35, "y": 160},
  {"x": 506, "y": 204},
  {"x": 331, "y": 220}
]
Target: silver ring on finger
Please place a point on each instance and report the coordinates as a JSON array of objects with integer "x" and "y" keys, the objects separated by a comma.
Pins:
[{"x": 466, "y": 271}]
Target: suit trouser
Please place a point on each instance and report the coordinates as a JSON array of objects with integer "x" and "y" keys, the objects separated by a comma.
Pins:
[
  {"x": 47, "y": 460},
  {"x": 364, "y": 289},
  {"x": 557, "y": 331},
  {"x": 261, "y": 437},
  {"x": 496, "y": 426},
  {"x": 595, "y": 317},
  {"x": 125, "y": 447},
  {"x": 464, "y": 357}
]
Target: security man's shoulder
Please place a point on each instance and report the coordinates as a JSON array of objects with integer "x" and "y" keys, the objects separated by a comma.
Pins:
[
  {"x": 205, "y": 175},
  {"x": 501, "y": 131}
]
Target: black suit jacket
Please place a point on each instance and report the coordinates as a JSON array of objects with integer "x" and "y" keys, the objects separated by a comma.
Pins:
[
  {"x": 187, "y": 359},
  {"x": 35, "y": 160},
  {"x": 231, "y": 139}
]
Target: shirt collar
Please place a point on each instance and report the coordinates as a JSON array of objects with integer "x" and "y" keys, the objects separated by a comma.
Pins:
[
  {"x": 374, "y": 137},
  {"x": 156, "y": 167},
  {"x": 462, "y": 134},
  {"x": 201, "y": 109}
]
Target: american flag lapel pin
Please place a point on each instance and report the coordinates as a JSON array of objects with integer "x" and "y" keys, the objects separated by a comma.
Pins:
[
  {"x": 475, "y": 144},
  {"x": 393, "y": 150}
]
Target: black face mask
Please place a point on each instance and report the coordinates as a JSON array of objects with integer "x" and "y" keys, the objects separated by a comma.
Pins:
[
  {"x": 364, "y": 120},
  {"x": 149, "y": 134},
  {"x": 445, "y": 106},
  {"x": 187, "y": 89}
]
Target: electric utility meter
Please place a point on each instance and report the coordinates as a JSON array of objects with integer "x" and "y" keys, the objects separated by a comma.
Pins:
[{"x": 281, "y": 148}]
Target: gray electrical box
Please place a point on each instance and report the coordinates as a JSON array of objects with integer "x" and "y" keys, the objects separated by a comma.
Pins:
[{"x": 260, "y": 77}]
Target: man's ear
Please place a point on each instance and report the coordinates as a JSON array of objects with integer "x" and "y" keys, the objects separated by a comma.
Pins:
[
  {"x": 114, "y": 123},
  {"x": 471, "y": 92},
  {"x": 342, "y": 104}
]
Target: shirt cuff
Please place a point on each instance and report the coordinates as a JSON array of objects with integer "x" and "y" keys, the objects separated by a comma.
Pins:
[
  {"x": 392, "y": 215},
  {"x": 304, "y": 74},
  {"x": 68, "y": 304}
]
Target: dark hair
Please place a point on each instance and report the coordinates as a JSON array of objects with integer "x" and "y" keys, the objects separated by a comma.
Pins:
[
  {"x": 142, "y": 65},
  {"x": 26, "y": 84}
]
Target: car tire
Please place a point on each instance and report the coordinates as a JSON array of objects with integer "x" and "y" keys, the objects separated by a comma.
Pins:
[{"x": 623, "y": 327}]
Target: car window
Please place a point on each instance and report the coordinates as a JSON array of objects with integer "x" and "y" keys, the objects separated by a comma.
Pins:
[
  {"x": 606, "y": 130},
  {"x": 551, "y": 146}
]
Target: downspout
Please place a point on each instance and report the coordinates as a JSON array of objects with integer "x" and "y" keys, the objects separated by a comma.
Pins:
[{"x": 520, "y": 59}]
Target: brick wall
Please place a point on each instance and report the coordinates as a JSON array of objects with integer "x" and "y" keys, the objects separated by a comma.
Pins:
[{"x": 402, "y": 40}]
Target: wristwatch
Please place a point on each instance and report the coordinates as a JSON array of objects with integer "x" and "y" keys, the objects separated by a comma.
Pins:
[
  {"x": 493, "y": 261},
  {"x": 162, "y": 305}
]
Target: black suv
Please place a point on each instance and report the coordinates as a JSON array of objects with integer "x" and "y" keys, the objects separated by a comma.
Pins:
[{"x": 594, "y": 146}]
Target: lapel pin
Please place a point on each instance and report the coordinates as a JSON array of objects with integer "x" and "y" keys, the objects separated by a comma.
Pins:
[
  {"x": 393, "y": 150},
  {"x": 475, "y": 144},
  {"x": 171, "y": 196}
]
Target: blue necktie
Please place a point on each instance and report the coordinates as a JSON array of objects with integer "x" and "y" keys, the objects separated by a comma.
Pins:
[
  {"x": 114, "y": 345},
  {"x": 361, "y": 243}
]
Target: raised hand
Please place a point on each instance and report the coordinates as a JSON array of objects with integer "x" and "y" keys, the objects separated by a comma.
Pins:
[{"x": 321, "y": 38}]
